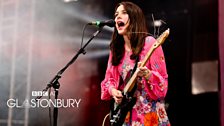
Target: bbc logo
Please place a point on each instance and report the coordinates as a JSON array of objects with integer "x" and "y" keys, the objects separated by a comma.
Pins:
[{"x": 39, "y": 93}]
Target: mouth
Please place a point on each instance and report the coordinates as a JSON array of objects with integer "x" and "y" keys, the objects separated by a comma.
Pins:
[{"x": 120, "y": 24}]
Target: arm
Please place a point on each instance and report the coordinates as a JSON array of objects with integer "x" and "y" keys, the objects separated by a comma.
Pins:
[
  {"x": 157, "y": 81},
  {"x": 110, "y": 81}
]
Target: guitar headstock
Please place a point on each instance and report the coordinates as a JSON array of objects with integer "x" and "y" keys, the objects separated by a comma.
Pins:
[{"x": 160, "y": 40}]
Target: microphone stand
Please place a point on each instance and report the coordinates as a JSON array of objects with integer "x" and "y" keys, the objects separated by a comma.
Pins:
[{"x": 55, "y": 83}]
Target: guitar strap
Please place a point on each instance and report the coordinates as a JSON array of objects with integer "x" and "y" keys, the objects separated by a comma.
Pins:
[
  {"x": 136, "y": 64},
  {"x": 135, "y": 86},
  {"x": 132, "y": 72}
]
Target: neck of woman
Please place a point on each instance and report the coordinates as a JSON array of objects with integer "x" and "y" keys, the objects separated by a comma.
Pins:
[{"x": 127, "y": 44}]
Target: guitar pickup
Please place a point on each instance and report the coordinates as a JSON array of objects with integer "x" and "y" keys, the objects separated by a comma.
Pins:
[
  {"x": 115, "y": 116},
  {"x": 112, "y": 121}
]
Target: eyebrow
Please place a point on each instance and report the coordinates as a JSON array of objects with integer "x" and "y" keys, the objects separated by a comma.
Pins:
[{"x": 121, "y": 11}]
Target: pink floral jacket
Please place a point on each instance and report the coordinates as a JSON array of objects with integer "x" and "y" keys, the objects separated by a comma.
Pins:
[
  {"x": 156, "y": 84},
  {"x": 149, "y": 108}
]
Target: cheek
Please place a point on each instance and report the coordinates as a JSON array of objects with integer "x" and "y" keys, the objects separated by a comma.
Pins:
[
  {"x": 126, "y": 19},
  {"x": 115, "y": 19}
]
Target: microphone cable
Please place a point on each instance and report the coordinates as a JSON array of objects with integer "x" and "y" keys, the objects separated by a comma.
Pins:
[
  {"x": 154, "y": 27},
  {"x": 105, "y": 119},
  {"x": 83, "y": 31}
]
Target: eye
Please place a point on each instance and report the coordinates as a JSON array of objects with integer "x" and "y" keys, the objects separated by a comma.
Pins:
[
  {"x": 115, "y": 15},
  {"x": 124, "y": 12}
]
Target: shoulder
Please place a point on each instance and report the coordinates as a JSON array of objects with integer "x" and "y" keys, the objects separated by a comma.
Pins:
[{"x": 149, "y": 41}]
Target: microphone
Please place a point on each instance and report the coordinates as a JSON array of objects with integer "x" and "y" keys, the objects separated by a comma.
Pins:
[{"x": 110, "y": 23}]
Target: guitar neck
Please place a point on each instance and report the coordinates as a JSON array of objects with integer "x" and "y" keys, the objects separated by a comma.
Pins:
[
  {"x": 129, "y": 86},
  {"x": 132, "y": 80}
]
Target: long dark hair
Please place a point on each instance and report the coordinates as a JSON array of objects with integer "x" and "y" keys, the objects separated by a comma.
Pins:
[{"x": 137, "y": 30}]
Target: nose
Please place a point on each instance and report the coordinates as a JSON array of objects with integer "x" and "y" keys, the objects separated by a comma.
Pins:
[{"x": 117, "y": 17}]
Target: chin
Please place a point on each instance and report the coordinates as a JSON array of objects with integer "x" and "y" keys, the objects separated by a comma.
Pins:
[{"x": 121, "y": 32}]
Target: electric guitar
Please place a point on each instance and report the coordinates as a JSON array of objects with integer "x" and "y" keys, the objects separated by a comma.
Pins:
[{"x": 118, "y": 112}]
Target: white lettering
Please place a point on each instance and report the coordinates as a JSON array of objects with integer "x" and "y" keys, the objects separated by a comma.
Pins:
[
  {"x": 10, "y": 103},
  {"x": 77, "y": 102},
  {"x": 44, "y": 103}
]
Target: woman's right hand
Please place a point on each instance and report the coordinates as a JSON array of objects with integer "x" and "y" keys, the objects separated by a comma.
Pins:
[{"x": 117, "y": 95}]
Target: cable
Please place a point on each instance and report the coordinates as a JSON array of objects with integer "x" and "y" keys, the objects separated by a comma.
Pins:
[
  {"x": 83, "y": 30},
  {"x": 154, "y": 25},
  {"x": 105, "y": 119}
]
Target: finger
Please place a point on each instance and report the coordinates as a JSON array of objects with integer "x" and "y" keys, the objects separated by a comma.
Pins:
[
  {"x": 119, "y": 101},
  {"x": 140, "y": 74},
  {"x": 119, "y": 95},
  {"x": 139, "y": 64},
  {"x": 143, "y": 68},
  {"x": 139, "y": 71},
  {"x": 143, "y": 73}
]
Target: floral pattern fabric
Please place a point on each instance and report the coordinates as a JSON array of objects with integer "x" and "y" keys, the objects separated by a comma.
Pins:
[{"x": 149, "y": 109}]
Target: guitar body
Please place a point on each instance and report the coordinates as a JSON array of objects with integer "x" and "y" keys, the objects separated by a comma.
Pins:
[{"x": 118, "y": 112}]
